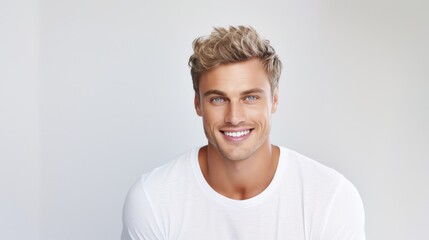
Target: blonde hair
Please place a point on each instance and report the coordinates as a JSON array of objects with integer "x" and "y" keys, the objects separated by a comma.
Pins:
[{"x": 236, "y": 44}]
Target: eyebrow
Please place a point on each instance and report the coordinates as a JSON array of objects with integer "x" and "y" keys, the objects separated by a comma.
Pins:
[
  {"x": 253, "y": 90},
  {"x": 214, "y": 92},
  {"x": 220, "y": 93}
]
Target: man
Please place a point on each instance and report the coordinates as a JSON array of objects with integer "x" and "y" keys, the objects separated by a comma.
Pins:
[{"x": 240, "y": 186}]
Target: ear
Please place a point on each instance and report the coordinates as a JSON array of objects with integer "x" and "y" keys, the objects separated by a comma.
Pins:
[
  {"x": 197, "y": 105},
  {"x": 275, "y": 100}
]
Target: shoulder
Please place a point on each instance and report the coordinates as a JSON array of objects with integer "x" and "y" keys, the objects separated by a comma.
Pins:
[
  {"x": 346, "y": 216},
  {"x": 168, "y": 178},
  {"x": 322, "y": 181},
  {"x": 333, "y": 206},
  {"x": 150, "y": 193},
  {"x": 311, "y": 172}
]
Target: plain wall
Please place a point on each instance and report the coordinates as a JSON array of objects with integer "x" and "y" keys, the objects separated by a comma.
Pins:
[
  {"x": 20, "y": 180},
  {"x": 94, "y": 93}
]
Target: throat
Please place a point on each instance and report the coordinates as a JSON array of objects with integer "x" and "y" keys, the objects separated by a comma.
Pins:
[{"x": 239, "y": 180}]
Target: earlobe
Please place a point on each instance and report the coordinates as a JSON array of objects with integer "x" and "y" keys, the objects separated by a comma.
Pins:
[{"x": 197, "y": 105}]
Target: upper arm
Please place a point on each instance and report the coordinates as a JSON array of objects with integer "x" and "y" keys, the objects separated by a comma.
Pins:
[
  {"x": 139, "y": 221},
  {"x": 346, "y": 218}
]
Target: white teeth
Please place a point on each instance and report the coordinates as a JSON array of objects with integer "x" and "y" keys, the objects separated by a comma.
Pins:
[{"x": 237, "y": 134}]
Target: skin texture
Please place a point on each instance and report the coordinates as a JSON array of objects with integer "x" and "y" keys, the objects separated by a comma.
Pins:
[{"x": 237, "y": 98}]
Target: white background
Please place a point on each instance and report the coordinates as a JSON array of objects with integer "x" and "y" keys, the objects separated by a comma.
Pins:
[{"x": 93, "y": 93}]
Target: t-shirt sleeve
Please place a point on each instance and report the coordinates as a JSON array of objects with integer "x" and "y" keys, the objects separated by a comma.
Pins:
[
  {"x": 346, "y": 217},
  {"x": 139, "y": 221}
]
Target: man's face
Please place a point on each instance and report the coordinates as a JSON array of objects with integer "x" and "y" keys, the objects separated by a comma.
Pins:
[{"x": 236, "y": 104}]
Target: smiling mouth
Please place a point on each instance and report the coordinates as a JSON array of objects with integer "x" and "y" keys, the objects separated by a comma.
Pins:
[{"x": 236, "y": 134}]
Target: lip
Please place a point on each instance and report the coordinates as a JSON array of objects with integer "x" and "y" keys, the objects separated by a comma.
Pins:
[{"x": 236, "y": 139}]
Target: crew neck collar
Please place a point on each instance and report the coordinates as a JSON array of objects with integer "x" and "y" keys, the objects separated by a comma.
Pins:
[{"x": 253, "y": 201}]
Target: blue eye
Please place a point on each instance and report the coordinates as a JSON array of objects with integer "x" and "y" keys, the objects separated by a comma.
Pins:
[
  {"x": 217, "y": 100},
  {"x": 251, "y": 98}
]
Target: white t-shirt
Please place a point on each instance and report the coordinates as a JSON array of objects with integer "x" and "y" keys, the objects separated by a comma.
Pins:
[{"x": 305, "y": 200}]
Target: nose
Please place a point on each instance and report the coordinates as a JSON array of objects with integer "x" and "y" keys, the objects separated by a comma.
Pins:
[{"x": 235, "y": 114}]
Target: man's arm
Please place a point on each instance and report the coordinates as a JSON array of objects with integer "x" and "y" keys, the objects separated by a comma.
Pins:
[
  {"x": 139, "y": 221},
  {"x": 346, "y": 217}
]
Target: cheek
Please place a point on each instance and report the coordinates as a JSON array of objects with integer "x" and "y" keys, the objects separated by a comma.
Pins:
[
  {"x": 260, "y": 113},
  {"x": 212, "y": 116}
]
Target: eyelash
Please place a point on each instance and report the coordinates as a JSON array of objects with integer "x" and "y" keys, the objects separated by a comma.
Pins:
[
  {"x": 251, "y": 96},
  {"x": 218, "y": 100}
]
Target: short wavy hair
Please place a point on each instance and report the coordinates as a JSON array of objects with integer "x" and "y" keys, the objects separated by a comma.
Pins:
[{"x": 232, "y": 45}]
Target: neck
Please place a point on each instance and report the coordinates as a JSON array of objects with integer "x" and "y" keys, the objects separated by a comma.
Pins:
[{"x": 239, "y": 179}]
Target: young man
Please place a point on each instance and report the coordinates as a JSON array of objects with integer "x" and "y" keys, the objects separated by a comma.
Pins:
[{"x": 240, "y": 186}]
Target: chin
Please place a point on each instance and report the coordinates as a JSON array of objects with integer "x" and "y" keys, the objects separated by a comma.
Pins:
[{"x": 237, "y": 154}]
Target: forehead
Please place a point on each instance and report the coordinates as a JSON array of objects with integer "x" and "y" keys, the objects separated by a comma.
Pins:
[{"x": 235, "y": 77}]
